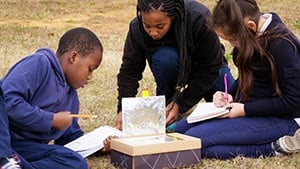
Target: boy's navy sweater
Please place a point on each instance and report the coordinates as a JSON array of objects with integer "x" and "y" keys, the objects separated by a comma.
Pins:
[
  {"x": 203, "y": 46},
  {"x": 262, "y": 101},
  {"x": 34, "y": 89}
]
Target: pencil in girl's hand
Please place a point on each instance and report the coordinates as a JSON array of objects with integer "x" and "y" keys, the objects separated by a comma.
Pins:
[
  {"x": 83, "y": 115},
  {"x": 226, "y": 87}
]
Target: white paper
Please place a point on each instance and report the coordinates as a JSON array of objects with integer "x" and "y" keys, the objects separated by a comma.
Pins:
[
  {"x": 93, "y": 141},
  {"x": 204, "y": 111}
]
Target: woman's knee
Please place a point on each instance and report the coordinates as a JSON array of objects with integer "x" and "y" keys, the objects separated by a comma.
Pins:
[{"x": 166, "y": 59}]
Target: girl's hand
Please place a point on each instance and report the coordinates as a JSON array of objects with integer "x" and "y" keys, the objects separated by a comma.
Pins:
[
  {"x": 235, "y": 110},
  {"x": 219, "y": 99}
]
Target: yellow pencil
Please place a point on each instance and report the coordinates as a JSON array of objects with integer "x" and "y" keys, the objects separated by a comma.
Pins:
[{"x": 83, "y": 115}]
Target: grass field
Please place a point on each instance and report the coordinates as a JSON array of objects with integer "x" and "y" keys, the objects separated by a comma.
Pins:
[{"x": 30, "y": 24}]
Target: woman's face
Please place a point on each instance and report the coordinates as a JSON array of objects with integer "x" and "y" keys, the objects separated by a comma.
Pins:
[{"x": 156, "y": 23}]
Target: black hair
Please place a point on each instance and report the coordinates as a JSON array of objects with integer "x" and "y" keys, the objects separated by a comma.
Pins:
[
  {"x": 79, "y": 39},
  {"x": 174, "y": 8}
]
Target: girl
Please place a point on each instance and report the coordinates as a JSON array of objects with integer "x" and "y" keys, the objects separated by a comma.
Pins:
[
  {"x": 265, "y": 100},
  {"x": 184, "y": 55}
]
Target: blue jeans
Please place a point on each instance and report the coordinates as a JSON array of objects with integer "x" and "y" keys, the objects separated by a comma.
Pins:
[
  {"x": 48, "y": 156},
  {"x": 245, "y": 136},
  {"x": 165, "y": 69}
]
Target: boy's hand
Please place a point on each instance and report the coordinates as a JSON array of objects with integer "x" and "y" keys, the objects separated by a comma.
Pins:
[
  {"x": 62, "y": 120},
  {"x": 106, "y": 144}
]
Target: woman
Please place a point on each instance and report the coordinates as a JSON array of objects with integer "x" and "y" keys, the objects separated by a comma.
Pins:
[
  {"x": 184, "y": 55},
  {"x": 265, "y": 100}
]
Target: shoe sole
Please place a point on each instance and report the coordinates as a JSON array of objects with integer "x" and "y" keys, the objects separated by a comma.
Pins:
[{"x": 292, "y": 143}]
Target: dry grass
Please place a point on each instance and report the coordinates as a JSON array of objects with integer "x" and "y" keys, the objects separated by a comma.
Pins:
[{"x": 28, "y": 25}]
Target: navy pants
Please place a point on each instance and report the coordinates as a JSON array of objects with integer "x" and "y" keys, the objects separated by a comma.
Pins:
[
  {"x": 48, "y": 156},
  {"x": 165, "y": 69},
  {"x": 36, "y": 155},
  {"x": 5, "y": 147},
  {"x": 246, "y": 136},
  {"x": 5, "y": 143}
]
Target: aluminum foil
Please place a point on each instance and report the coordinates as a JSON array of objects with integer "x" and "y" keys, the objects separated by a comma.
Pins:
[{"x": 143, "y": 115}]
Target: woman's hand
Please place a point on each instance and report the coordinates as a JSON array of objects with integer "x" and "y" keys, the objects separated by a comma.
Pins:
[
  {"x": 119, "y": 121},
  {"x": 172, "y": 113}
]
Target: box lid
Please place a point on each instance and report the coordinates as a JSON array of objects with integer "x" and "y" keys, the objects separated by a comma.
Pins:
[{"x": 154, "y": 144}]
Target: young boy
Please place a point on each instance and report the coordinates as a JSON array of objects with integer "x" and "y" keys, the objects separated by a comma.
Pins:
[{"x": 40, "y": 94}]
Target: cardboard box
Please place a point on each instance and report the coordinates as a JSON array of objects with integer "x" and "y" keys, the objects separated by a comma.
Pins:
[{"x": 169, "y": 150}]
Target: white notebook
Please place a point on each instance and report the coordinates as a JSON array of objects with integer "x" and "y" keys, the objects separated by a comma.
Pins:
[
  {"x": 204, "y": 111},
  {"x": 92, "y": 141}
]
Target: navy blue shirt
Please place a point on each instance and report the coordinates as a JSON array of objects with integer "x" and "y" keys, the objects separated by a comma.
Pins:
[{"x": 34, "y": 89}]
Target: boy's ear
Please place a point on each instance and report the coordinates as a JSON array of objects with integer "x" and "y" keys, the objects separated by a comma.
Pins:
[
  {"x": 252, "y": 25},
  {"x": 73, "y": 57}
]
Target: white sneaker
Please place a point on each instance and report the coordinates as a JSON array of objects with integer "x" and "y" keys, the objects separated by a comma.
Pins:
[
  {"x": 291, "y": 144},
  {"x": 287, "y": 144},
  {"x": 9, "y": 163}
]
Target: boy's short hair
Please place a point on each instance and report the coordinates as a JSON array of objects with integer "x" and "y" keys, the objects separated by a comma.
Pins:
[{"x": 79, "y": 39}]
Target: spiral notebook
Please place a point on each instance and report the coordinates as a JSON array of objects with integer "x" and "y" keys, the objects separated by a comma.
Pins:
[{"x": 204, "y": 111}]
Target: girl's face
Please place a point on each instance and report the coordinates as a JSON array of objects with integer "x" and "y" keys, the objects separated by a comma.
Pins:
[
  {"x": 231, "y": 39},
  {"x": 250, "y": 25},
  {"x": 156, "y": 23}
]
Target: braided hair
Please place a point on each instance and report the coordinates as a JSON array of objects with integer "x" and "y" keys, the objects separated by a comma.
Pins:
[{"x": 174, "y": 8}]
